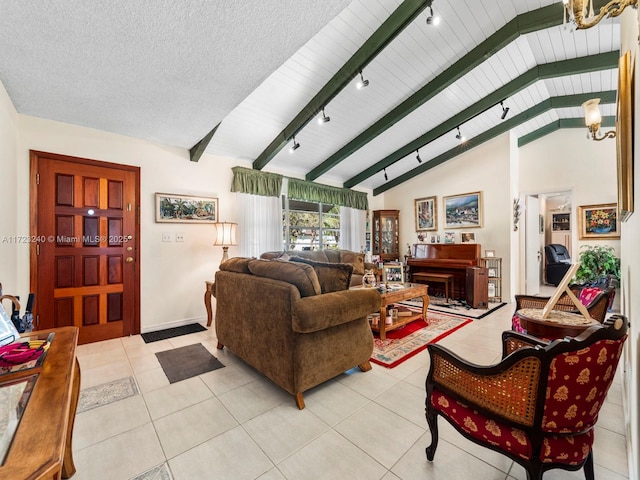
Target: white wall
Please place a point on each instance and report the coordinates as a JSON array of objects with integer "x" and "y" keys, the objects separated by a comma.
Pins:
[
  {"x": 8, "y": 192},
  {"x": 485, "y": 169},
  {"x": 566, "y": 160},
  {"x": 630, "y": 301},
  {"x": 172, "y": 274}
]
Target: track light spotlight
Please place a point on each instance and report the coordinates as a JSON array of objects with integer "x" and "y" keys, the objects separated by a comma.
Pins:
[
  {"x": 295, "y": 145},
  {"x": 433, "y": 19},
  {"x": 324, "y": 118},
  {"x": 386, "y": 178},
  {"x": 363, "y": 82},
  {"x": 418, "y": 156},
  {"x": 459, "y": 136},
  {"x": 505, "y": 110}
]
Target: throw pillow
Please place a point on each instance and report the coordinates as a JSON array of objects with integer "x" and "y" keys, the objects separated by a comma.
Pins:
[
  {"x": 236, "y": 264},
  {"x": 332, "y": 277},
  {"x": 354, "y": 258},
  {"x": 298, "y": 274}
]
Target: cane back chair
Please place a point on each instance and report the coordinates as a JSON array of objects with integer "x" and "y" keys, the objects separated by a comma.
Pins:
[{"x": 538, "y": 405}]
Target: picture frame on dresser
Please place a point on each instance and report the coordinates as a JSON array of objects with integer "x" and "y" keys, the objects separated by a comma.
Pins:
[
  {"x": 426, "y": 214},
  {"x": 463, "y": 211},
  {"x": 393, "y": 274}
]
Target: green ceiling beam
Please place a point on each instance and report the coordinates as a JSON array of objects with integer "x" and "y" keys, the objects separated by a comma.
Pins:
[
  {"x": 522, "y": 24},
  {"x": 608, "y": 121},
  {"x": 502, "y": 127},
  {"x": 198, "y": 149},
  {"x": 573, "y": 66},
  {"x": 390, "y": 29}
]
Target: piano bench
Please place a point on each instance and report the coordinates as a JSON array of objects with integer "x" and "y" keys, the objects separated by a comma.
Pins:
[{"x": 446, "y": 278}]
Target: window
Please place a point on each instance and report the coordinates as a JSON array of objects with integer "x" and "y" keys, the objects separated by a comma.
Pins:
[{"x": 310, "y": 225}]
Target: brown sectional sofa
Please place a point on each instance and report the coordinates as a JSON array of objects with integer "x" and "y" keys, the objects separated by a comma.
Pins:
[
  {"x": 273, "y": 315},
  {"x": 330, "y": 256}
]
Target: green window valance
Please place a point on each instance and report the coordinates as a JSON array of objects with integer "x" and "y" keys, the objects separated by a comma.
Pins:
[
  {"x": 316, "y": 192},
  {"x": 256, "y": 182}
]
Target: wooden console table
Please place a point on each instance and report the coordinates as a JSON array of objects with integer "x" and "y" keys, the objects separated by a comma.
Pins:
[
  {"x": 208, "y": 293},
  {"x": 41, "y": 446}
]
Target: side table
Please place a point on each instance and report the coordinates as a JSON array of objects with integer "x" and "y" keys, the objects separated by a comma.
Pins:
[
  {"x": 558, "y": 324},
  {"x": 208, "y": 293}
]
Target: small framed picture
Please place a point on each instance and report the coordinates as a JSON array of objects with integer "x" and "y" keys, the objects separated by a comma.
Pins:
[
  {"x": 449, "y": 237},
  {"x": 489, "y": 253},
  {"x": 492, "y": 272},
  {"x": 392, "y": 274},
  {"x": 468, "y": 237},
  {"x": 433, "y": 239}
]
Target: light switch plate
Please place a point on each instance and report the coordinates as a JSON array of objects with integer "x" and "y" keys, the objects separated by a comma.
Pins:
[
  {"x": 166, "y": 237},
  {"x": 180, "y": 237}
]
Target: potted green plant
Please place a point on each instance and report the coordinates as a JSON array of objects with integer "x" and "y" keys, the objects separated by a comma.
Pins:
[{"x": 598, "y": 266}]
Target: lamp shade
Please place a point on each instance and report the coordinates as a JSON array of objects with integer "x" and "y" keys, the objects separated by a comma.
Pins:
[
  {"x": 224, "y": 234},
  {"x": 592, "y": 112}
]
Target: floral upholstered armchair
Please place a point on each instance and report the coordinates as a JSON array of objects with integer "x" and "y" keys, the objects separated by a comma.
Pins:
[{"x": 538, "y": 406}]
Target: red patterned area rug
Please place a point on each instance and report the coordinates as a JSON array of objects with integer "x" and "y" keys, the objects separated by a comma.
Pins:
[{"x": 405, "y": 342}]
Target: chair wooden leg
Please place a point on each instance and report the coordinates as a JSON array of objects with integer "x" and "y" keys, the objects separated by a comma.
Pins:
[
  {"x": 588, "y": 467},
  {"x": 299, "y": 400},
  {"x": 365, "y": 367},
  {"x": 432, "y": 420}
]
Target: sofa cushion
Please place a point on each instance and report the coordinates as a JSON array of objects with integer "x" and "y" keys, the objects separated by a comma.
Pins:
[
  {"x": 354, "y": 258},
  {"x": 299, "y": 274},
  {"x": 332, "y": 277},
  {"x": 317, "y": 255},
  {"x": 236, "y": 264}
]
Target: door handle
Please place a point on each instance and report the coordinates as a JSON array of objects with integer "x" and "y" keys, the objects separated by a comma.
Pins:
[{"x": 128, "y": 259}]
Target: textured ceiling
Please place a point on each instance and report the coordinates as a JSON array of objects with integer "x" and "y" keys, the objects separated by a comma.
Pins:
[
  {"x": 162, "y": 70},
  {"x": 171, "y": 71}
]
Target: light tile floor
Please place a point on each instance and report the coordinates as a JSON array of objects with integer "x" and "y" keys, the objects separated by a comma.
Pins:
[{"x": 234, "y": 424}]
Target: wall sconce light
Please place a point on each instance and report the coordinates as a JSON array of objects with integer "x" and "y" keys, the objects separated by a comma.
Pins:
[
  {"x": 593, "y": 119},
  {"x": 363, "y": 82},
  {"x": 295, "y": 145},
  {"x": 224, "y": 236},
  {"x": 324, "y": 118},
  {"x": 576, "y": 11}
]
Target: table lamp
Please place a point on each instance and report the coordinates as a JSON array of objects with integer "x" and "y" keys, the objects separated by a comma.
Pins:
[{"x": 224, "y": 236}]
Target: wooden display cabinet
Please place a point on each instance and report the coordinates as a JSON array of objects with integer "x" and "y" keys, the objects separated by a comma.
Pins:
[{"x": 385, "y": 241}]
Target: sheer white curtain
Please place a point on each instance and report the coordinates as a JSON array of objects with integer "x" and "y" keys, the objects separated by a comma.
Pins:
[
  {"x": 259, "y": 224},
  {"x": 352, "y": 226}
]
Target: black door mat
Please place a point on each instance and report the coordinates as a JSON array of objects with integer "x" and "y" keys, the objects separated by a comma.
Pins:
[
  {"x": 172, "y": 332},
  {"x": 186, "y": 362}
]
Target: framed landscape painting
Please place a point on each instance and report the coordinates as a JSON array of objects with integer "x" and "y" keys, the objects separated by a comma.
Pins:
[
  {"x": 426, "y": 212},
  {"x": 463, "y": 211},
  {"x": 598, "y": 221},
  {"x": 185, "y": 209}
]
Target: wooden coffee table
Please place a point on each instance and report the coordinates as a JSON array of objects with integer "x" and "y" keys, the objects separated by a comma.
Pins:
[{"x": 389, "y": 297}]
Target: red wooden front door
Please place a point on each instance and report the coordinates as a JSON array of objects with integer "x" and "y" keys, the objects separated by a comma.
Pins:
[{"x": 84, "y": 260}]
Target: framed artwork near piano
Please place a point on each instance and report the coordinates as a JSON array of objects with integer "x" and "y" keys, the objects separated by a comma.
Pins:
[
  {"x": 463, "y": 211},
  {"x": 426, "y": 214}
]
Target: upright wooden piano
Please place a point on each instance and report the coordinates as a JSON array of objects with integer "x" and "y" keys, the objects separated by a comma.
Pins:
[{"x": 451, "y": 258}]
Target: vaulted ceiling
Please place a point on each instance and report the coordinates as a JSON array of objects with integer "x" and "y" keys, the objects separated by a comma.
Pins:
[{"x": 240, "y": 79}]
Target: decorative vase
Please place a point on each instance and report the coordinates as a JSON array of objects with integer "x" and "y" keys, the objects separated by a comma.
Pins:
[{"x": 369, "y": 279}]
